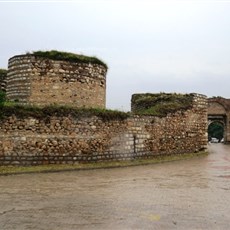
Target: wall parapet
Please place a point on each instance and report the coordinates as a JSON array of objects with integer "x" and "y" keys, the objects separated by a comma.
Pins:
[{"x": 160, "y": 104}]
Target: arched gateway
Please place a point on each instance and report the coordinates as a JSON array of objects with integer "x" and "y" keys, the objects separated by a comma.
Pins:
[{"x": 219, "y": 111}]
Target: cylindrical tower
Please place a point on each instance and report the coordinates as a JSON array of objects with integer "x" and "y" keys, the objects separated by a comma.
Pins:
[{"x": 43, "y": 79}]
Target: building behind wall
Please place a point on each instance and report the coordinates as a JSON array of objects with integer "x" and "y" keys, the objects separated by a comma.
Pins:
[{"x": 40, "y": 80}]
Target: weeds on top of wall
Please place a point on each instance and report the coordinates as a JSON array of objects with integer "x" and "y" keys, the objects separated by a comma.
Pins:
[
  {"x": 66, "y": 56},
  {"x": 24, "y": 111},
  {"x": 160, "y": 104}
]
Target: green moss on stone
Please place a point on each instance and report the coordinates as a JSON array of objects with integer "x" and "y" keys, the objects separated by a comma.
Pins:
[
  {"x": 161, "y": 104},
  {"x": 24, "y": 111},
  {"x": 66, "y": 56}
]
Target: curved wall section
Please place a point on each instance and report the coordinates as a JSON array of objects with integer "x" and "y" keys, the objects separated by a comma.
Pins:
[
  {"x": 42, "y": 81},
  {"x": 18, "y": 81}
]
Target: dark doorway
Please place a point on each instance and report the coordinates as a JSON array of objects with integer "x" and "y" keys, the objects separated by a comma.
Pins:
[{"x": 216, "y": 130}]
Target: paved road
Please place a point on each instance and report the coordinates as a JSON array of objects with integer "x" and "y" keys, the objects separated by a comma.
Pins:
[{"x": 191, "y": 194}]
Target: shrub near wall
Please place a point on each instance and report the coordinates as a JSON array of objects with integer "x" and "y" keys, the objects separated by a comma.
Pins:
[{"x": 35, "y": 137}]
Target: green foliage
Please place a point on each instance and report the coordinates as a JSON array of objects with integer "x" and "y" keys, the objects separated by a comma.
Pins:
[
  {"x": 45, "y": 112},
  {"x": 2, "y": 97},
  {"x": 71, "y": 57},
  {"x": 161, "y": 104},
  {"x": 216, "y": 130},
  {"x": 163, "y": 109},
  {"x": 3, "y": 72}
]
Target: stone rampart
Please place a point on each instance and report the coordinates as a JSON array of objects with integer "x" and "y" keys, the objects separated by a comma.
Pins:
[
  {"x": 58, "y": 139},
  {"x": 42, "y": 81}
]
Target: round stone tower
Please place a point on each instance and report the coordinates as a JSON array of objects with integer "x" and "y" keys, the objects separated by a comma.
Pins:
[{"x": 52, "y": 77}]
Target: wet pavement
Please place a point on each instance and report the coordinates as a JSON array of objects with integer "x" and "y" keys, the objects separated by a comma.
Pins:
[{"x": 189, "y": 194}]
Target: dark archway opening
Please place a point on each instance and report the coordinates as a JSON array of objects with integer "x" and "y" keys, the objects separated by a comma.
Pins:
[{"x": 216, "y": 131}]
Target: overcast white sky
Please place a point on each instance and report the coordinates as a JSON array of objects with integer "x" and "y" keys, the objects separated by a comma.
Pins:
[{"x": 149, "y": 46}]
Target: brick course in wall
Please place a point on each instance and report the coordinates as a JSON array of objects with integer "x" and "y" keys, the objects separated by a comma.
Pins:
[
  {"x": 65, "y": 139},
  {"x": 41, "y": 81}
]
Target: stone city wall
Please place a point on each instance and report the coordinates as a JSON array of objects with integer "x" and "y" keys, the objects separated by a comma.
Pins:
[
  {"x": 42, "y": 81},
  {"x": 67, "y": 139}
]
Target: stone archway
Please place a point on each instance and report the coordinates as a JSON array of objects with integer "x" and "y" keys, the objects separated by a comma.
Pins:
[
  {"x": 219, "y": 111},
  {"x": 216, "y": 129}
]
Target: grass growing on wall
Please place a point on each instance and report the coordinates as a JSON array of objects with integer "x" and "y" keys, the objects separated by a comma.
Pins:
[
  {"x": 66, "y": 56},
  {"x": 24, "y": 111},
  {"x": 161, "y": 104}
]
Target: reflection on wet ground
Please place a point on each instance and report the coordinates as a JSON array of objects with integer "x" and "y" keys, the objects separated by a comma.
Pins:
[{"x": 190, "y": 194}]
